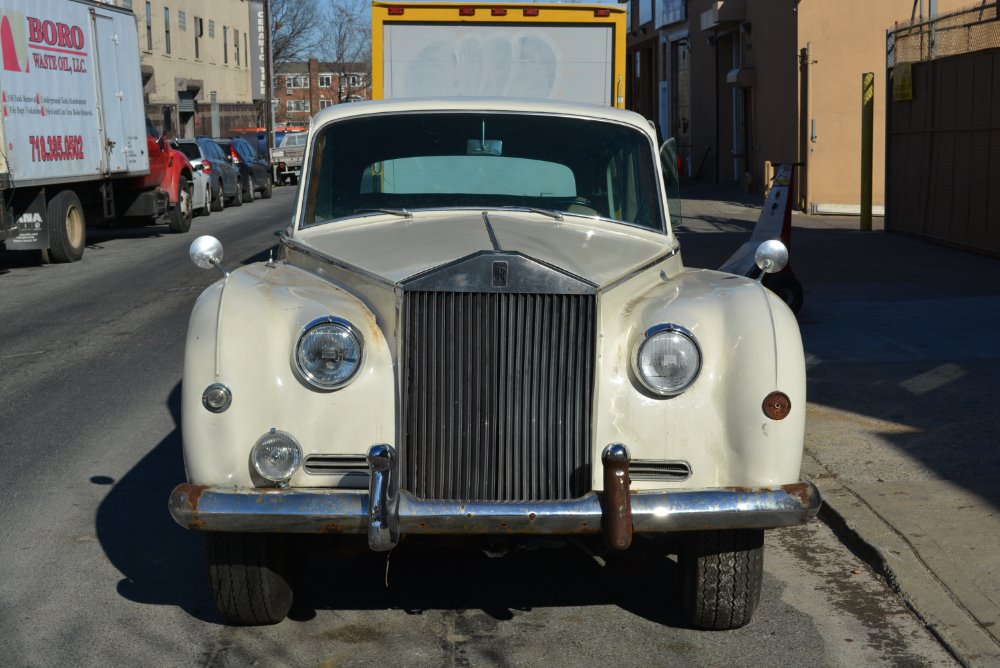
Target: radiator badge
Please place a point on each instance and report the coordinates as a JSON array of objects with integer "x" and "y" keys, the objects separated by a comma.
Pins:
[{"x": 500, "y": 274}]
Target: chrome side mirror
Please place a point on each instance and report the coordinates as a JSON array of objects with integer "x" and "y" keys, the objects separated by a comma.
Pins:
[
  {"x": 771, "y": 257},
  {"x": 206, "y": 252}
]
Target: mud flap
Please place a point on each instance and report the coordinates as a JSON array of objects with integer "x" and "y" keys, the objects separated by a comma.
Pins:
[{"x": 29, "y": 219}]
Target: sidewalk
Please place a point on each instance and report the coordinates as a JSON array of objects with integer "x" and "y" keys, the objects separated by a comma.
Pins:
[{"x": 902, "y": 341}]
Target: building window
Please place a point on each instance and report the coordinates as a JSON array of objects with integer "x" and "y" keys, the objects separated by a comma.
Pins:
[
  {"x": 324, "y": 103},
  {"x": 149, "y": 26},
  {"x": 225, "y": 45},
  {"x": 353, "y": 80},
  {"x": 199, "y": 31},
  {"x": 298, "y": 81},
  {"x": 236, "y": 45},
  {"x": 246, "y": 49},
  {"x": 127, "y": 4},
  {"x": 211, "y": 29},
  {"x": 325, "y": 80},
  {"x": 293, "y": 106},
  {"x": 166, "y": 30},
  {"x": 182, "y": 21}
]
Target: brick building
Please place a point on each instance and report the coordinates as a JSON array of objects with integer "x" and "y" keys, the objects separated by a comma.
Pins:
[{"x": 302, "y": 89}]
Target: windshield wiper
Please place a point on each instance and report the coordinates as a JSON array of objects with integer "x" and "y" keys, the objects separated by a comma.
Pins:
[
  {"x": 530, "y": 209},
  {"x": 405, "y": 213}
]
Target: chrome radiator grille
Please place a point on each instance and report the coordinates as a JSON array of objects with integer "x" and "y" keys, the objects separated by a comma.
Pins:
[{"x": 497, "y": 393}]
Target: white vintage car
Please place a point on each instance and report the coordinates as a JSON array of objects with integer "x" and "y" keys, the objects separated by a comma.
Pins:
[{"x": 479, "y": 325}]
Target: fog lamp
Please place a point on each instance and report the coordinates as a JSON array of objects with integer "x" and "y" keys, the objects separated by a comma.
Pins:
[{"x": 276, "y": 456}]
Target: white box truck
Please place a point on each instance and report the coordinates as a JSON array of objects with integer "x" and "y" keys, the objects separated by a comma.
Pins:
[
  {"x": 569, "y": 52},
  {"x": 75, "y": 146}
]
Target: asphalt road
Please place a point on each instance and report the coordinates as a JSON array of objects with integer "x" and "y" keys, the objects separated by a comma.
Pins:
[{"x": 93, "y": 572}]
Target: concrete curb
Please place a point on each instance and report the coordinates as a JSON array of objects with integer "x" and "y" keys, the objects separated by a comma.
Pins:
[{"x": 892, "y": 556}]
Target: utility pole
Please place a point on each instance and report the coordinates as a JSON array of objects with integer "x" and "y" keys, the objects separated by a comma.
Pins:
[{"x": 268, "y": 112}]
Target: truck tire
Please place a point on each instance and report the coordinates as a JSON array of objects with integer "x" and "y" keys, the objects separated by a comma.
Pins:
[
  {"x": 265, "y": 192},
  {"x": 180, "y": 214},
  {"x": 249, "y": 577},
  {"x": 67, "y": 227},
  {"x": 720, "y": 577},
  {"x": 237, "y": 199},
  {"x": 218, "y": 200}
]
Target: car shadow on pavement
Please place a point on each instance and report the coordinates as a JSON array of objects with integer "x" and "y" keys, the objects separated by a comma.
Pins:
[
  {"x": 160, "y": 562},
  {"x": 422, "y": 575}
]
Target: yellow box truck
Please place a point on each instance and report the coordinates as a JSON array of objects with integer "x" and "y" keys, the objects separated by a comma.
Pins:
[{"x": 565, "y": 52}]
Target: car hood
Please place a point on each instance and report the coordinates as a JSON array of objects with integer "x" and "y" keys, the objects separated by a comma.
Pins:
[{"x": 397, "y": 249}]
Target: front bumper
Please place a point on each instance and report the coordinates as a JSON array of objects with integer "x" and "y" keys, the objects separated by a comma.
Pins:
[{"x": 397, "y": 512}]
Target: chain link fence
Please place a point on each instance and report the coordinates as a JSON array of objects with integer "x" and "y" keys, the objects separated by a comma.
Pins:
[{"x": 963, "y": 31}]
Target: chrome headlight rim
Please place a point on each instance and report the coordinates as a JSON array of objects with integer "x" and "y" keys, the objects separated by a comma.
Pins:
[
  {"x": 311, "y": 379},
  {"x": 669, "y": 327}
]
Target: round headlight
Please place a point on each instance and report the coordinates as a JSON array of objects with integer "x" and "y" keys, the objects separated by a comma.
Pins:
[
  {"x": 276, "y": 456},
  {"x": 328, "y": 353},
  {"x": 668, "y": 361}
]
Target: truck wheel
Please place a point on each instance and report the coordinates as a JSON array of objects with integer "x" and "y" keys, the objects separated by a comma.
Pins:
[
  {"x": 67, "y": 227},
  {"x": 249, "y": 577},
  {"x": 237, "y": 199},
  {"x": 265, "y": 193},
  {"x": 787, "y": 287},
  {"x": 179, "y": 216},
  {"x": 218, "y": 201},
  {"x": 721, "y": 574}
]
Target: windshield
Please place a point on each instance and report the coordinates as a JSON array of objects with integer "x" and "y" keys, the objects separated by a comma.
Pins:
[
  {"x": 483, "y": 160},
  {"x": 297, "y": 139}
]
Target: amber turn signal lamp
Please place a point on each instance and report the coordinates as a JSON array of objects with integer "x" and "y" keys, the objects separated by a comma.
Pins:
[{"x": 777, "y": 405}]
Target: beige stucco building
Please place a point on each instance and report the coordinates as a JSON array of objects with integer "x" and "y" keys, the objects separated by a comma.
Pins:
[
  {"x": 196, "y": 64},
  {"x": 745, "y": 83}
]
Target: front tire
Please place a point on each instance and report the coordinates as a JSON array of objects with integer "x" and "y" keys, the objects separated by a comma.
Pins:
[
  {"x": 207, "y": 209},
  {"x": 265, "y": 193},
  {"x": 67, "y": 227},
  {"x": 787, "y": 287},
  {"x": 721, "y": 574},
  {"x": 247, "y": 185},
  {"x": 249, "y": 577},
  {"x": 179, "y": 216}
]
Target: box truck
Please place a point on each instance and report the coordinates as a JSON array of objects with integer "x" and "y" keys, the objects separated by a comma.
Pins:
[
  {"x": 563, "y": 52},
  {"x": 76, "y": 149}
]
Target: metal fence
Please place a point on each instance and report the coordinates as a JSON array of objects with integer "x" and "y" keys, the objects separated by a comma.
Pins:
[{"x": 972, "y": 29}]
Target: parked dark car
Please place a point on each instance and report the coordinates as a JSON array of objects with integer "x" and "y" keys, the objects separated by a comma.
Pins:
[
  {"x": 255, "y": 170},
  {"x": 207, "y": 155}
]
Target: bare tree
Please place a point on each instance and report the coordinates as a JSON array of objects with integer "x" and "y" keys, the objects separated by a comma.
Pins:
[
  {"x": 347, "y": 43},
  {"x": 297, "y": 30}
]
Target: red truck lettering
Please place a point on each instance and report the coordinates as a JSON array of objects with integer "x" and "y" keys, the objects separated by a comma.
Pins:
[
  {"x": 54, "y": 34},
  {"x": 51, "y": 148}
]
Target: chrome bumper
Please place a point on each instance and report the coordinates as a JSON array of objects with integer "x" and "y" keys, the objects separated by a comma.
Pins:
[{"x": 396, "y": 512}]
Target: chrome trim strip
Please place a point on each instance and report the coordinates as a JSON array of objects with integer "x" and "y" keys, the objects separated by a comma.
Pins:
[
  {"x": 489, "y": 230},
  {"x": 638, "y": 270},
  {"x": 337, "y": 511}
]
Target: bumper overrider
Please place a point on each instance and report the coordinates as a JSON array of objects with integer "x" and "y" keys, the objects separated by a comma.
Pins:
[{"x": 384, "y": 512}]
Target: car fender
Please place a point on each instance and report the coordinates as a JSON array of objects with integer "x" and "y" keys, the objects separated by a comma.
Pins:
[
  {"x": 750, "y": 346},
  {"x": 242, "y": 333}
]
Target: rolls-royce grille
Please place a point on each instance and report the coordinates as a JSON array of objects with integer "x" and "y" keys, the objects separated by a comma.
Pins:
[{"x": 497, "y": 395}]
